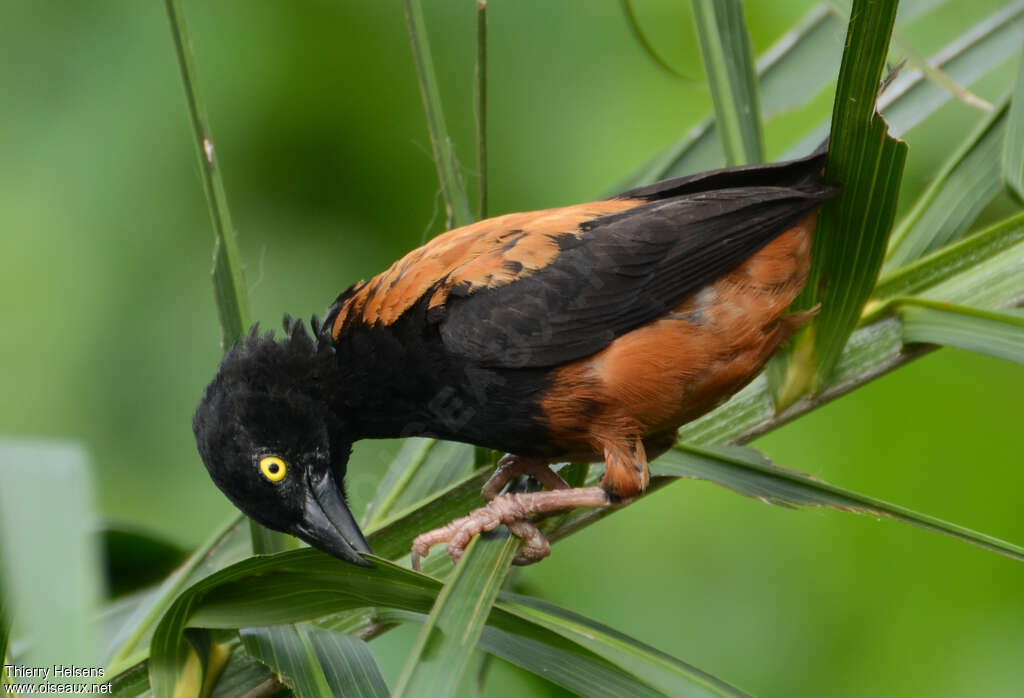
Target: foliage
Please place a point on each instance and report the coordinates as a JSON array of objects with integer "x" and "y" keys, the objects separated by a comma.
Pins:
[{"x": 227, "y": 622}]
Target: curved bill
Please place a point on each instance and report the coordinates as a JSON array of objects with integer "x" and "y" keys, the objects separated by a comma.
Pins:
[{"x": 327, "y": 523}]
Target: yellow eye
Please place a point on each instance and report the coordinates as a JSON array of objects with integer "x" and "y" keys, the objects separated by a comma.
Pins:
[{"x": 273, "y": 468}]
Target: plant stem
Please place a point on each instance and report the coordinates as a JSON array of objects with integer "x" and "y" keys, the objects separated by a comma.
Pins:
[
  {"x": 481, "y": 105},
  {"x": 455, "y": 199},
  {"x": 228, "y": 281}
]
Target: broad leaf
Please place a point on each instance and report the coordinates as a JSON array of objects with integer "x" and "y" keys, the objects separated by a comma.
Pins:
[
  {"x": 51, "y": 565},
  {"x": 748, "y": 472},
  {"x": 657, "y": 669},
  {"x": 851, "y": 238},
  {"x": 317, "y": 663},
  {"x": 450, "y": 634},
  {"x": 295, "y": 586}
]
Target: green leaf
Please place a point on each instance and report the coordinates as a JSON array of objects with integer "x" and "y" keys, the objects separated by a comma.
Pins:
[
  {"x": 551, "y": 657},
  {"x": 317, "y": 663},
  {"x": 792, "y": 71},
  {"x": 748, "y": 472},
  {"x": 970, "y": 56},
  {"x": 422, "y": 467},
  {"x": 448, "y": 638},
  {"x": 304, "y": 584},
  {"x": 131, "y": 683},
  {"x": 951, "y": 260},
  {"x": 655, "y": 668},
  {"x": 983, "y": 331},
  {"x": 802, "y": 62},
  {"x": 50, "y": 564},
  {"x": 272, "y": 590},
  {"x": 227, "y": 545},
  {"x": 455, "y": 200},
  {"x": 989, "y": 283},
  {"x": 1013, "y": 149},
  {"x": 135, "y": 557},
  {"x": 965, "y": 184},
  {"x": 5, "y": 628},
  {"x": 244, "y": 675},
  {"x": 912, "y": 97},
  {"x": 850, "y": 241},
  {"x": 228, "y": 280},
  {"x": 481, "y": 106},
  {"x": 729, "y": 64}
]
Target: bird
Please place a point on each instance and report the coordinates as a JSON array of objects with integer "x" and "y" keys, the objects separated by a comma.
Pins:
[{"x": 583, "y": 333}]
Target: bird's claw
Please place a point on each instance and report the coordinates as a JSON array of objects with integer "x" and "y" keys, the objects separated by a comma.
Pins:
[{"x": 509, "y": 509}]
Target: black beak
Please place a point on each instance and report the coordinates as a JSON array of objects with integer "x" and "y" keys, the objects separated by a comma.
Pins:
[{"x": 328, "y": 524}]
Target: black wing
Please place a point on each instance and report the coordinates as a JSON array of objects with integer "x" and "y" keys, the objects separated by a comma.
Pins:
[{"x": 631, "y": 267}]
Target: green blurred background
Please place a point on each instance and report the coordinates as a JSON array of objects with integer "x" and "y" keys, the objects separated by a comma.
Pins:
[{"x": 110, "y": 332}]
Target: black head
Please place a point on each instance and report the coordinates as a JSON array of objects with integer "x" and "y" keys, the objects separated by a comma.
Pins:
[{"x": 272, "y": 444}]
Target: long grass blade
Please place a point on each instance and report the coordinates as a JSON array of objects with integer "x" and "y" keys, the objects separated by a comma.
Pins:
[
  {"x": 912, "y": 97},
  {"x": 850, "y": 242},
  {"x": 228, "y": 281},
  {"x": 317, "y": 663},
  {"x": 455, "y": 200},
  {"x": 949, "y": 261},
  {"x": 970, "y": 56},
  {"x": 481, "y": 105},
  {"x": 791, "y": 72},
  {"x": 659, "y": 670},
  {"x": 998, "y": 334},
  {"x": 748, "y": 472},
  {"x": 50, "y": 569},
  {"x": 995, "y": 282},
  {"x": 1013, "y": 151},
  {"x": 448, "y": 637},
  {"x": 729, "y": 64},
  {"x": 965, "y": 184},
  {"x": 805, "y": 60}
]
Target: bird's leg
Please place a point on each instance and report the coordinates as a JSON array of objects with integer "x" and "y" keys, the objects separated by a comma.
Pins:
[
  {"x": 511, "y": 510},
  {"x": 625, "y": 476},
  {"x": 511, "y": 467},
  {"x": 625, "y": 473}
]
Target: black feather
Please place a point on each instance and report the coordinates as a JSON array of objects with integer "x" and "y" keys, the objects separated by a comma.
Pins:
[{"x": 630, "y": 267}]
